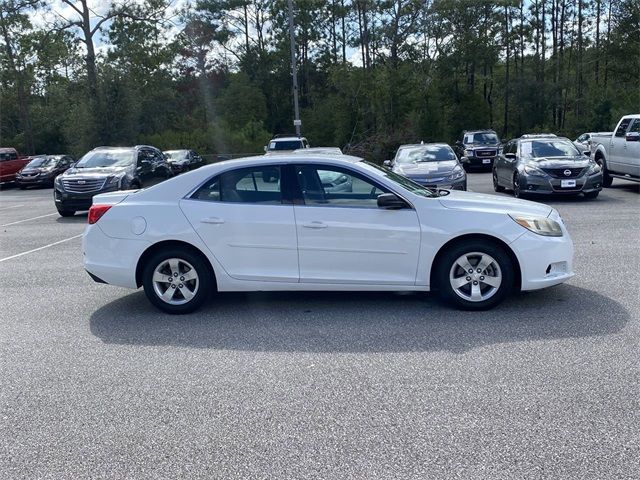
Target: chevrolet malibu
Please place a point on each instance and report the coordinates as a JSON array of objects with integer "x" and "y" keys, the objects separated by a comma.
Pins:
[{"x": 224, "y": 228}]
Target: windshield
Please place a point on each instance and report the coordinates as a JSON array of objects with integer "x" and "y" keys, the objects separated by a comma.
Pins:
[
  {"x": 107, "y": 158},
  {"x": 177, "y": 154},
  {"x": 427, "y": 153},
  {"x": 41, "y": 162},
  {"x": 484, "y": 138},
  {"x": 286, "y": 145},
  {"x": 548, "y": 148},
  {"x": 403, "y": 182}
]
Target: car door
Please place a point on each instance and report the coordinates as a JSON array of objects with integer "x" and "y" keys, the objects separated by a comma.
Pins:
[
  {"x": 344, "y": 237},
  {"x": 630, "y": 152},
  {"x": 615, "y": 155},
  {"x": 143, "y": 167},
  {"x": 247, "y": 223},
  {"x": 503, "y": 167}
]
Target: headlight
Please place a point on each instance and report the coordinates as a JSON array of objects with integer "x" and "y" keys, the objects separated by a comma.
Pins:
[
  {"x": 468, "y": 153},
  {"x": 113, "y": 180},
  {"x": 529, "y": 170},
  {"x": 457, "y": 174},
  {"x": 540, "y": 225},
  {"x": 58, "y": 181},
  {"x": 595, "y": 168}
]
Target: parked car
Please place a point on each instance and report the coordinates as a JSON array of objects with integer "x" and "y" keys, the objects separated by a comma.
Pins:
[
  {"x": 618, "y": 153},
  {"x": 478, "y": 148},
  {"x": 286, "y": 144},
  {"x": 42, "y": 170},
  {"x": 583, "y": 142},
  {"x": 223, "y": 228},
  {"x": 183, "y": 160},
  {"x": 106, "y": 169},
  {"x": 546, "y": 165},
  {"x": 430, "y": 164},
  {"x": 10, "y": 164}
]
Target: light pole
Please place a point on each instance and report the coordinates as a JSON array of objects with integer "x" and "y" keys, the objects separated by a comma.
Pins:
[{"x": 296, "y": 122}]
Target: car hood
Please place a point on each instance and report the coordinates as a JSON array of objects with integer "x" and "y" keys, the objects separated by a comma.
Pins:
[
  {"x": 560, "y": 162},
  {"x": 94, "y": 172},
  {"x": 493, "y": 203},
  {"x": 426, "y": 169}
]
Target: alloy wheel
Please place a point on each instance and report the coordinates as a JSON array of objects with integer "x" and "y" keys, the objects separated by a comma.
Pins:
[
  {"x": 175, "y": 281},
  {"x": 475, "y": 276}
]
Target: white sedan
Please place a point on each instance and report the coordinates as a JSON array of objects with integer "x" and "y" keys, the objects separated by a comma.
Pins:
[{"x": 273, "y": 223}]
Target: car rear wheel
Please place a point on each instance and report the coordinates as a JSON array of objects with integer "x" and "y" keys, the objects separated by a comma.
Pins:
[
  {"x": 66, "y": 213},
  {"x": 474, "y": 275},
  {"x": 496, "y": 185},
  {"x": 176, "y": 280}
]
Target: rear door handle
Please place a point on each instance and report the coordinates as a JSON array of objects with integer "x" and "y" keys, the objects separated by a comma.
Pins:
[
  {"x": 315, "y": 224},
  {"x": 212, "y": 220}
]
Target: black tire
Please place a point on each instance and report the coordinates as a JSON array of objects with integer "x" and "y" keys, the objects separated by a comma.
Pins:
[
  {"x": 205, "y": 281},
  {"x": 607, "y": 180},
  {"x": 66, "y": 213},
  {"x": 496, "y": 186},
  {"x": 592, "y": 195},
  {"x": 517, "y": 192},
  {"x": 22, "y": 187},
  {"x": 448, "y": 259}
]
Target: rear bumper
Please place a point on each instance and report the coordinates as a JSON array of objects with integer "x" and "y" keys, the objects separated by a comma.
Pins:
[{"x": 111, "y": 260}]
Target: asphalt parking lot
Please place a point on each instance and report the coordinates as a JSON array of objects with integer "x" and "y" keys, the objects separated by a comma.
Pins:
[{"x": 96, "y": 383}]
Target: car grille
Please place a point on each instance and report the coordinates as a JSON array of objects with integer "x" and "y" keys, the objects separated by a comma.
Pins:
[
  {"x": 30, "y": 175},
  {"x": 486, "y": 153},
  {"x": 80, "y": 185},
  {"x": 560, "y": 172}
]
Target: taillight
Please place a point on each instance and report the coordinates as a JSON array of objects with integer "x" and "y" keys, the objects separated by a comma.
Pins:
[{"x": 96, "y": 212}]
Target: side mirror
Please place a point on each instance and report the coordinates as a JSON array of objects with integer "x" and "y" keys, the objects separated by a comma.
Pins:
[
  {"x": 391, "y": 201},
  {"x": 632, "y": 137},
  {"x": 265, "y": 148},
  {"x": 458, "y": 143},
  {"x": 387, "y": 163},
  {"x": 510, "y": 156},
  {"x": 72, "y": 164},
  {"x": 464, "y": 159}
]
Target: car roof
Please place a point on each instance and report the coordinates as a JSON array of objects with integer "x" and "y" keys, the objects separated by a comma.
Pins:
[
  {"x": 287, "y": 158},
  {"x": 321, "y": 150},
  {"x": 417, "y": 145},
  {"x": 176, "y": 150},
  {"x": 483, "y": 130}
]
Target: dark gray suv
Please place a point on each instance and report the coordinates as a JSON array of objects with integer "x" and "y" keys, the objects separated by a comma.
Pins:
[{"x": 107, "y": 169}]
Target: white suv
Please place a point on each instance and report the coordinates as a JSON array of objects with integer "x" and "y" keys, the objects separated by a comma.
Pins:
[{"x": 286, "y": 144}]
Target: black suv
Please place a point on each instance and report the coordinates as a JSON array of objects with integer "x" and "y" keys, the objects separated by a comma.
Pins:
[
  {"x": 478, "y": 148},
  {"x": 107, "y": 169}
]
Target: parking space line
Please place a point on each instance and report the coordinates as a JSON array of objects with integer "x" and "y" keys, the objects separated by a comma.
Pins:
[
  {"x": 28, "y": 219},
  {"x": 12, "y": 206},
  {"x": 40, "y": 248}
]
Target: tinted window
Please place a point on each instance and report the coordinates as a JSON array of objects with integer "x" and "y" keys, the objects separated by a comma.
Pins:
[
  {"x": 481, "y": 137},
  {"x": 334, "y": 186},
  {"x": 286, "y": 145},
  {"x": 622, "y": 129},
  {"x": 8, "y": 156},
  {"x": 245, "y": 185},
  {"x": 41, "y": 162},
  {"x": 635, "y": 126}
]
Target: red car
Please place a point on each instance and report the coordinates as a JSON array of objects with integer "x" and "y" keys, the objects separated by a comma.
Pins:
[{"x": 10, "y": 164}]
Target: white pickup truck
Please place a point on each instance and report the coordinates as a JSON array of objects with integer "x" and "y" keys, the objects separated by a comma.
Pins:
[{"x": 619, "y": 153}]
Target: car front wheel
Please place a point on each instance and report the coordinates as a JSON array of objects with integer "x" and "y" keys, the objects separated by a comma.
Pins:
[
  {"x": 176, "y": 280},
  {"x": 474, "y": 275}
]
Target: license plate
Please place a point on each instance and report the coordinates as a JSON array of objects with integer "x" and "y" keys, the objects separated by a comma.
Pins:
[
  {"x": 567, "y": 183},
  {"x": 486, "y": 160}
]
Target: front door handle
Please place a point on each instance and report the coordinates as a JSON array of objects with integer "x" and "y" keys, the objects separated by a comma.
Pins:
[
  {"x": 315, "y": 224},
  {"x": 212, "y": 220}
]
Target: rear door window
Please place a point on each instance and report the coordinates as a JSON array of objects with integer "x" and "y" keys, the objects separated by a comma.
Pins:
[{"x": 259, "y": 185}]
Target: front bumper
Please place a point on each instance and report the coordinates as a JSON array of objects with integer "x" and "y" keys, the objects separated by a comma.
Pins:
[
  {"x": 544, "y": 261},
  {"x": 553, "y": 186},
  {"x": 77, "y": 201},
  {"x": 179, "y": 167},
  {"x": 479, "y": 162},
  {"x": 38, "y": 180}
]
